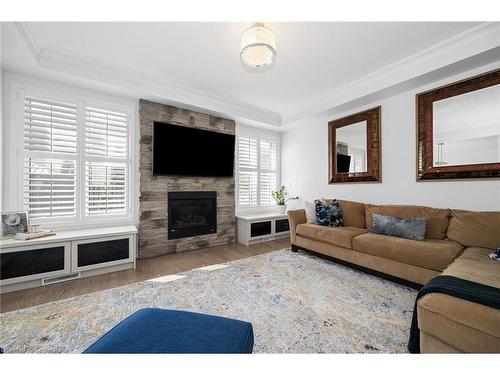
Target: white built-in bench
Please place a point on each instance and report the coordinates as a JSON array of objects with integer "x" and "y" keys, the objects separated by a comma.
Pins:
[
  {"x": 254, "y": 228},
  {"x": 65, "y": 256}
]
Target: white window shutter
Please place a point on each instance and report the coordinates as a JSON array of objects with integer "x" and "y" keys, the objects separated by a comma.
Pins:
[
  {"x": 105, "y": 133},
  {"x": 49, "y": 188},
  {"x": 105, "y": 188},
  {"x": 247, "y": 152},
  {"x": 49, "y": 171},
  {"x": 267, "y": 186},
  {"x": 49, "y": 126},
  {"x": 257, "y": 171},
  {"x": 267, "y": 155},
  {"x": 106, "y": 139}
]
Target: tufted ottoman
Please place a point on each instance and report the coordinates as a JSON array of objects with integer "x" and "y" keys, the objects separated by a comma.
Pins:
[{"x": 168, "y": 331}]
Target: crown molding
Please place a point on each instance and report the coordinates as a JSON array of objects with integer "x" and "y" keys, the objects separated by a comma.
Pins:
[
  {"x": 140, "y": 82},
  {"x": 474, "y": 41},
  {"x": 469, "y": 43},
  {"x": 29, "y": 40}
]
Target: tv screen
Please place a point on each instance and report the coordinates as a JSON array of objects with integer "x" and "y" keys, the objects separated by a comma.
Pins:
[
  {"x": 343, "y": 163},
  {"x": 183, "y": 151}
]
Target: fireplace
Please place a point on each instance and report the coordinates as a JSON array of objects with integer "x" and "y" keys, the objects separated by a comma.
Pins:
[{"x": 191, "y": 213}]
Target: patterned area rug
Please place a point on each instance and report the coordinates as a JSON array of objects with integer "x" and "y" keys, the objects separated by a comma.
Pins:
[{"x": 297, "y": 303}]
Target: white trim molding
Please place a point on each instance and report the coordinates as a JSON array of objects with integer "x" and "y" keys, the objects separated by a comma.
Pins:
[
  {"x": 472, "y": 42},
  {"x": 469, "y": 43},
  {"x": 120, "y": 76}
]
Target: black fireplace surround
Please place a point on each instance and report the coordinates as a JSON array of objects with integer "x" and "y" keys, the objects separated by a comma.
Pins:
[{"x": 191, "y": 213}]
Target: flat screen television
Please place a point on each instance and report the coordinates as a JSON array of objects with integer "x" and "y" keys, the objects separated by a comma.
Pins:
[
  {"x": 184, "y": 151},
  {"x": 343, "y": 163}
]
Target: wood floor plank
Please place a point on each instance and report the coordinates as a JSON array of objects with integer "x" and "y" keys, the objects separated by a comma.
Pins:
[{"x": 146, "y": 269}]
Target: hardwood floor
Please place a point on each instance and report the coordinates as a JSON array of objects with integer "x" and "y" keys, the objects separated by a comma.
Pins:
[{"x": 146, "y": 269}]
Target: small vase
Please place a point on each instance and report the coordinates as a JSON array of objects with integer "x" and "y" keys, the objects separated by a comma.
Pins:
[{"x": 282, "y": 208}]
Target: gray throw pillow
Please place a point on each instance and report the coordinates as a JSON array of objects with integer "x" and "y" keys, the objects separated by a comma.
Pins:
[{"x": 412, "y": 229}]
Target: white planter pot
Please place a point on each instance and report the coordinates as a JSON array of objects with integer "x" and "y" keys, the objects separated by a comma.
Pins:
[{"x": 282, "y": 208}]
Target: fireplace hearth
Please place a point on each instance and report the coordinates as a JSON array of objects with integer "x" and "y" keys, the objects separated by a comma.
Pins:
[{"x": 191, "y": 213}]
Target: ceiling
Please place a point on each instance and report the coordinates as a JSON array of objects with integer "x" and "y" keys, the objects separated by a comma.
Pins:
[{"x": 201, "y": 60}]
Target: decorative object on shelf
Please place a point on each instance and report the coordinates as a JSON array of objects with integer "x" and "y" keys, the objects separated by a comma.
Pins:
[
  {"x": 354, "y": 145},
  {"x": 32, "y": 228},
  {"x": 258, "y": 46},
  {"x": 280, "y": 196},
  {"x": 463, "y": 116},
  {"x": 35, "y": 234},
  {"x": 13, "y": 223}
]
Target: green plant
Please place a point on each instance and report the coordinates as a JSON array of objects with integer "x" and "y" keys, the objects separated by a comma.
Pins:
[{"x": 280, "y": 196}]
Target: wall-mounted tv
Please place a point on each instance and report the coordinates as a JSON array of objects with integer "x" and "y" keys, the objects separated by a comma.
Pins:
[{"x": 183, "y": 151}]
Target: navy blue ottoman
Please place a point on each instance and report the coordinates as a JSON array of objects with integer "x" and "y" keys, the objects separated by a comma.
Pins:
[{"x": 170, "y": 331}]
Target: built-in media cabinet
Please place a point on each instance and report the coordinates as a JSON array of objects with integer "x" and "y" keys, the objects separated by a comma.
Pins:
[
  {"x": 256, "y": 228},
  {"x": 67, "y": 255}
]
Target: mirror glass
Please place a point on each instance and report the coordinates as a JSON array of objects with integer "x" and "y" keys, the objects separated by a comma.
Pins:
[
  {"x": 466, "y": 128},
  {"x": 351, "y": 148}
]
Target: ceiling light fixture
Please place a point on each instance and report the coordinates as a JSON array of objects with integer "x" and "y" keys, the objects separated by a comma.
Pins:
[{"x": 258, "y": 46}]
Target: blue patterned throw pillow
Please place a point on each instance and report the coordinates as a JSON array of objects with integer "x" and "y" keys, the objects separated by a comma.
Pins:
[
  {"x": 495, "y": 255},
  {"x": 328, "y": 214}
]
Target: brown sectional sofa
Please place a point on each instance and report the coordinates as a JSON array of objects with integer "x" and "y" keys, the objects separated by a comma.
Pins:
[{"x": 457, "y": 243}]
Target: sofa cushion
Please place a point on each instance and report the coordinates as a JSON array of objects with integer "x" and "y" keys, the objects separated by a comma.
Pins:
[
  {"x": 437, "y": 218},
  {"x": 431, "y": 254},
  {"x": 411, "y": 228},
  {"x": 455, "y": 321},
  {"x": 481, "y": 229},
  {"x": 463, "y": 325},
  {"x": 338, "y": 236},
  {"x": 474, "y": 265},
  {"x": 353, "y": 213}
]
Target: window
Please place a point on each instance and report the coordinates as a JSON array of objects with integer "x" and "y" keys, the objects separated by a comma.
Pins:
[
  {"x": 50, "y": 132},
  {"x": 76, "y": 161},
  {"x": 105, "y": 162},
  {"x": 358, "y": 158},
  {"x": 257, "y": 171}
]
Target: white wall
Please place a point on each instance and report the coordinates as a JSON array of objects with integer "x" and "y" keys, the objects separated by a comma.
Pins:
[{"x": 304, "y": 158}]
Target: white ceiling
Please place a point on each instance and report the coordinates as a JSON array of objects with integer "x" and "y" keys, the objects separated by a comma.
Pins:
[{"x": 313, "y": 59}]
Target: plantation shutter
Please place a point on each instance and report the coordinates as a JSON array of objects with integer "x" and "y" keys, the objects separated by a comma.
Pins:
[
  {"x": 106, "y": 168},
  {"x": 268, "y": 155},
  {"x": 256, "y": 172},
  {"x": 247, "y": 181},
  {"x": 49, "y": 173},
  {"x": 357, "y": 160},
  {"x": 267, "y": 171},
  {"x": 267, "y": 186}
]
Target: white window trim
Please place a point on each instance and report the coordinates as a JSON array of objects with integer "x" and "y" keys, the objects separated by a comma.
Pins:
[
  {"x": 260, "y": 135},
  {"x": 16, "y": 87}
]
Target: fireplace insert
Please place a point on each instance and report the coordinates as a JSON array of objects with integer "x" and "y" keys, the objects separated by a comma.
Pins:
[{"x": 191, "y": 213}]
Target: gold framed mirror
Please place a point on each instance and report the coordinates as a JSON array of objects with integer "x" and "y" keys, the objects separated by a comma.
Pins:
[
  {"x": 354, "y": 148},
  {"x": 458, "y": 129}
]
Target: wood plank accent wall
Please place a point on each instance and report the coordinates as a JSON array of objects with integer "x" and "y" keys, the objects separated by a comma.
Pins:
[{"x": 153, "y": 239}]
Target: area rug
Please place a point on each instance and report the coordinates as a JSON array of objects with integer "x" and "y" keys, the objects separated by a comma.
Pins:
[{"x": 297, "y": 303}]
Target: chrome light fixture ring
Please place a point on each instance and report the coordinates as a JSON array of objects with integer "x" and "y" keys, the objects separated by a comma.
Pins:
[{"x": 258, "y": 37}]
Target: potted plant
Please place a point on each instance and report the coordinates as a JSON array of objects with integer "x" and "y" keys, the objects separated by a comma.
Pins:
[{"x": 280, "y": 196}]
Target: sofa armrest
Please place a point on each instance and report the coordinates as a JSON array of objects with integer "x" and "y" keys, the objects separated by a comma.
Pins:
[{"x": 295, "y": 217}]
